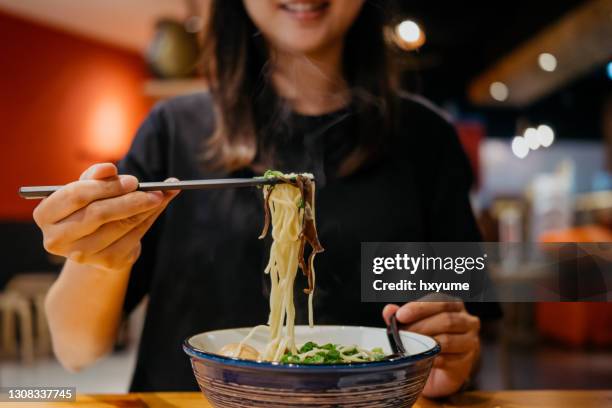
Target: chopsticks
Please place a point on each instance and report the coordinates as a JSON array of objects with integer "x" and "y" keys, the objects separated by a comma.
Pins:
[
  {"x": 39, "y": 192},
  {"x": 395, "y": 340}
]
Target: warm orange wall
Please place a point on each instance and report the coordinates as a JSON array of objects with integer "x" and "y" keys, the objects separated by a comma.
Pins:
[{"x": 65, "y": 102}]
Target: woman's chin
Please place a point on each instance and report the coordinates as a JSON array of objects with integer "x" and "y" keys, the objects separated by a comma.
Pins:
[{"x": 302, "y": 43}]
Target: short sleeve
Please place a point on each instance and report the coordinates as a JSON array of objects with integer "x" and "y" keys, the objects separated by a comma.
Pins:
[
  {"x": 145, "y": 160},
  {"x": 451, "y": 218}
]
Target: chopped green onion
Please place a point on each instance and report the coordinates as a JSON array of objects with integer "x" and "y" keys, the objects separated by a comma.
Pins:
[
  {"x": 312, "y": 353},
  {"x": 273, "y": 174}
]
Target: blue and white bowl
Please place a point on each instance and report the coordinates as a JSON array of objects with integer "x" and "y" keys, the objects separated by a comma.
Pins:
[{"x": 231, "y": 382}]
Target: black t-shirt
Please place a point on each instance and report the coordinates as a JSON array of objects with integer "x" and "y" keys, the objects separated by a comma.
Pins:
[{"x": 202, "y": 264}]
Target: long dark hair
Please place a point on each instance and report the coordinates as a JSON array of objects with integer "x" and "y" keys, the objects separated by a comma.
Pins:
[{"x": 235, "y": 62}]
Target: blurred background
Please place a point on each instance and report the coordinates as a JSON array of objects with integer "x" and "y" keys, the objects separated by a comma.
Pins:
[{"x": 528, "y": 85}]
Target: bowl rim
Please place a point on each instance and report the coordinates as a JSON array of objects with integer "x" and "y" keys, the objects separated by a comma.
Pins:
[{"x": 193, "y": 351}]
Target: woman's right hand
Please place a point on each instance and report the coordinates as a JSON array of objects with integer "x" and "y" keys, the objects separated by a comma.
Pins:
[{"x": 100, "y": 219}]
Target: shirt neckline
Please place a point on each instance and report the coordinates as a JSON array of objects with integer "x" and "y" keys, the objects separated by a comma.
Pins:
[{"x": 327, "y": 115}]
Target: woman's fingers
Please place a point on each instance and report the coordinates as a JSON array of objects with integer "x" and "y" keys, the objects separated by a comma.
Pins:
[
  {"x": 113, "y": 231},
  {"x": 76, "y": 195},
  {"x": 44, "y": 212},
  {"x": 415, "y": 311},
  {"x": 447, "y": 322},
  {"x": 125, "y": 248},
  {"x": 99, "y": 171},
  {"x": 89, "y": 219},
  {"x": 105, "y": 236},
  {"x": 457, "y": 343},
  {"x": 125, "y": 251},
  {"x": 388, "y": 311},
  {"x": 100, "y": 219}
]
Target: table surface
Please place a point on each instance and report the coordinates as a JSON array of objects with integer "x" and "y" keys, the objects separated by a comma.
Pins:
[{"x": 476, "y": 399}]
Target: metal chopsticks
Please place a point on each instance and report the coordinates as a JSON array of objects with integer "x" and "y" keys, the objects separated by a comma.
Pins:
[{"x": 39, "y": 192}]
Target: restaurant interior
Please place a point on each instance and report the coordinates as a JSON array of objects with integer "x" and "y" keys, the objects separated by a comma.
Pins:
[{"x": 527, "y": 84}]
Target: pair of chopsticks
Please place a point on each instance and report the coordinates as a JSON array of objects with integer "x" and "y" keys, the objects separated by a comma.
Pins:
[{"x": 39, "y": 192}]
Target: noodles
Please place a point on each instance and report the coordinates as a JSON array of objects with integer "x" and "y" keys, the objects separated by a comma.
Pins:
[
  {"x": 282, "y": 266},
  {"x": 290, "y": 213},
  {"x": 289, "y": 210}
]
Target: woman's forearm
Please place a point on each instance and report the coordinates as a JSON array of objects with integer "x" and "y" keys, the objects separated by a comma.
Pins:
[
  {"x": 84, "y": 310},
  {"x": 97, "y": 223}
]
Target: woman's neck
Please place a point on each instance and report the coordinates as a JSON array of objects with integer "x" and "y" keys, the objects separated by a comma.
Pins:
[{"x": 313, "y": 84}]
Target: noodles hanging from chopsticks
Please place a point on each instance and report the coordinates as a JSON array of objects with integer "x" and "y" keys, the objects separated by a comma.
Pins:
[{"x": 289, "y": 209}]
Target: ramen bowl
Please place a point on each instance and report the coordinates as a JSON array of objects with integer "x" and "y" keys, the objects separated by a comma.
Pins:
[{"x": 232, "y": 382}]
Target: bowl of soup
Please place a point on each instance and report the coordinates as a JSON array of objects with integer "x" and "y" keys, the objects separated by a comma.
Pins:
[{"x": 248, "y": 382}]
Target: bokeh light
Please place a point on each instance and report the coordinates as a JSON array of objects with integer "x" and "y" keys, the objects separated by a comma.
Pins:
[
  {"x": 520, "y": 147},
  {"x": 409, "y": 31},
  {"x": 548, "y": 62},
  {"x": 499, "y": 91},
  {"x": 532, "y": 138},
  {"x": 546, "y": 135},
  {"x": 408, "y": 35}
]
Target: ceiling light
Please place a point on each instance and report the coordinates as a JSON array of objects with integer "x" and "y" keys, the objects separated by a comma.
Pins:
[
  {"x": 519, "y": 147},
  {"x": 499, "y": 91},
  {"x": 546, "y": 135},
  {"x": 547, "y": 62},
  {"x": 409, "y": 31},
  {"x": 532, "y": 138},
  {"x": 408, "y": 35}
]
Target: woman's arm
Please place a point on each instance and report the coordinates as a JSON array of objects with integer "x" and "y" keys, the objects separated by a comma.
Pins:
[
  {"x": 97, "y": 223},
  {"x": 84, "y": 310}
]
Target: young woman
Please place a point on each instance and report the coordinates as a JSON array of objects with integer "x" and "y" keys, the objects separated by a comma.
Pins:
[{"x": 296, "y": 85}]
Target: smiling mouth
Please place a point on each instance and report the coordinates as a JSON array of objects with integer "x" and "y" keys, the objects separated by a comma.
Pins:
[{"x": 305, "y": 10}]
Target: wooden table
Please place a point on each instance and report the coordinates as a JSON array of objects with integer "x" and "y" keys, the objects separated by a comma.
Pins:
[{"x": 479, "y": 399}]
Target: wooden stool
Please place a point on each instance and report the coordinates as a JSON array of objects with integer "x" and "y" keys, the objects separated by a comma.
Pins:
[
  {"x": 34, "y": 287},
  {"x": 14, "y": 305}
]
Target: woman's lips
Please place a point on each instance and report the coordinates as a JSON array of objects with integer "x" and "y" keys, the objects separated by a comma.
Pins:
[{"x": 305, "y": 10}]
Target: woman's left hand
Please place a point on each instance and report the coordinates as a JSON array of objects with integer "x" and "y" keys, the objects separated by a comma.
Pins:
[{"x": 454, "y": 329}]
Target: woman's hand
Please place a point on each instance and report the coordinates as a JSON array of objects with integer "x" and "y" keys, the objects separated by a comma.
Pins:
[
  {"x": 100, "y": 219},
  {"x": 454, "y": 329}
]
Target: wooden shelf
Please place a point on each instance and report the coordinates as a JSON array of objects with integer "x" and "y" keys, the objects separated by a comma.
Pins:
[{"x": 167, "y": 88}]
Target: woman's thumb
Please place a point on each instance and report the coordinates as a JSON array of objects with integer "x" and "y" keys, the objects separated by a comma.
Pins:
[{"x": 99, "y": 171}]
